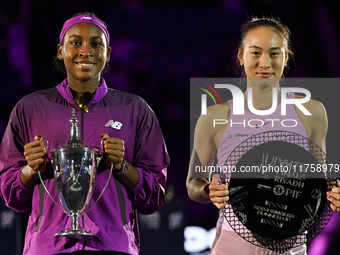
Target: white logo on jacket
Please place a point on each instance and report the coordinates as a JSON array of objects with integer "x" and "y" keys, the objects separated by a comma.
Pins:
[{"x": 114, "y": 124}]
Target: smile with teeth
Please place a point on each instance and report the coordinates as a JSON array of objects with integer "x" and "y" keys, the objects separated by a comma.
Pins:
[{"x": 85, "y": 64}]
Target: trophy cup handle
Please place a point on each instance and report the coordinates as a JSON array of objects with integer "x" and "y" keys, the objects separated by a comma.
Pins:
[
  {"x": 99, "y": 158},
  {"x": 43, "y": 184},
  {"x": 108, "y": 180}
]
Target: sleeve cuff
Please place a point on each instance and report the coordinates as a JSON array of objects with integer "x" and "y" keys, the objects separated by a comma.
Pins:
[
  {"x": 139, "y": 183},
  {"x": 22, "y": 186}
]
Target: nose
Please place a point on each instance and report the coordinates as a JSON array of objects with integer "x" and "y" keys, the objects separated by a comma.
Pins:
[
  {"x": 86, "y": 50},
  {"x": 264, "y": 61}
]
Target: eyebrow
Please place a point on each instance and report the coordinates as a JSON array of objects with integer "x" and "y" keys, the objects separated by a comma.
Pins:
[{"x": 257, "y": 47}]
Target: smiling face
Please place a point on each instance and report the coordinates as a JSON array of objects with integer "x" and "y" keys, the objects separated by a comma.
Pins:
[
  {"x": 85, "y": 52},
  {"x": 264, "y": 55}
]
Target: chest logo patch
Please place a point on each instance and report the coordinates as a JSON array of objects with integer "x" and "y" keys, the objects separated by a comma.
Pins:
[{"x": 114, "y": 124}]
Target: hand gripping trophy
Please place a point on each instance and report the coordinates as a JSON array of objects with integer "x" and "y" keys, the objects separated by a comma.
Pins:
[{"x": 74, "y": 170}]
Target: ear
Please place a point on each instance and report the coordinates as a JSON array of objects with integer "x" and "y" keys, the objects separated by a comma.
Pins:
[
  {"x": 286, "y": 58},
  {"x": 108, "y": 52},
  {"x": 240, "y": 56},
  {"x": 59, "y": 51}
]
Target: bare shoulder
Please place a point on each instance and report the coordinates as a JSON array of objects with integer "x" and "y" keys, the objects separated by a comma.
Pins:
[
  {"x": 218, "y": 110},
  {"x": 215, "y": 112},
  {"x": 316, "y": 124},
  {"x": 315, "y": 107},
  {"x": 205, "y": 123}
]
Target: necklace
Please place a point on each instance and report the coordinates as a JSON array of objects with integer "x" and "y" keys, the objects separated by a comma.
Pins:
[{"x": 257, "y": 105}]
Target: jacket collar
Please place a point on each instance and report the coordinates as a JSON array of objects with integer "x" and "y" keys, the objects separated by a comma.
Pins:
[{"x": 64, "y": 90}]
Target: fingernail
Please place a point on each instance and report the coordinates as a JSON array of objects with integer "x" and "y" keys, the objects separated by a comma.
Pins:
[
  {"x": 226, "y": 192},
  {"x": 226, "y": 199},
  {"x": 216, "y": 176},
  {"x": 218, "y": 182}
]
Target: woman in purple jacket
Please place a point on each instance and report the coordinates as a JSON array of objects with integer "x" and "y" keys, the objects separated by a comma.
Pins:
[{"x": 132, "y": 139}]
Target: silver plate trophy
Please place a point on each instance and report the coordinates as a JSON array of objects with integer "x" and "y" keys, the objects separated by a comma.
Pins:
[
  {"x": 74, "y": 170},
  {"x": 278, "y": 182}
]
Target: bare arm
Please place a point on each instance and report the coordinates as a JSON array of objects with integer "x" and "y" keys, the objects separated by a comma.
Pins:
[
  {"x": 203, "y": 154},
  {"x": 198, "y": 188},
  {"x": 317, "y": 126},
  {"x": 319, "y": 131}
]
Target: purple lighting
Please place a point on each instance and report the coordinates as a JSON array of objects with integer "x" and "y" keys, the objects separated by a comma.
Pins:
[{"x": 319, "y": 245}]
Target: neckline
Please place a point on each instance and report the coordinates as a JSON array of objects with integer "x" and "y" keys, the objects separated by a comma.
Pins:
[
  {"x": 266, "y": 108},
  {"x": 99, "y": 94}
]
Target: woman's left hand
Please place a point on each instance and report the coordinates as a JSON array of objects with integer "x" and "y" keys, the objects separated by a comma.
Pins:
[
  {"x": 334, "y": 197},
  {"x": 114, "y": 150}
]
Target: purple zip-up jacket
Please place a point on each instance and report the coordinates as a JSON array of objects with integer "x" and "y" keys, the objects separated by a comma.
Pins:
[{"x": 114, "y": 218}]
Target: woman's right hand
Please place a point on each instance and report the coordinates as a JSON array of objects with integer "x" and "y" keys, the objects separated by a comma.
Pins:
[
  {"x": 35, "y": 154},
  {"x": 218, "y": 192}
]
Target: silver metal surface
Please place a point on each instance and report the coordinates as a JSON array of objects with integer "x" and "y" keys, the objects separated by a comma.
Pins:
[{"x": 74, "y": 169}]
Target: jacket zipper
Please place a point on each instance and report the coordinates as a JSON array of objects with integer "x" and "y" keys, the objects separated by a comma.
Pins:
[
  {"x": 83, "y": 108},
  {"x": 82, "y": 124}
]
